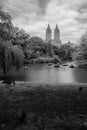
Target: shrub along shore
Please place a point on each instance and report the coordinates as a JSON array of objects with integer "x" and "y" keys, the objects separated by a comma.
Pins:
[{"x": 43, "y": 60}]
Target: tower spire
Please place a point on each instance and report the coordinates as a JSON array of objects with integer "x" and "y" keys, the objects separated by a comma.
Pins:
[
  {"x": 48, "y": 25},
  {"x": 48, "y": 33},
  {"x": 57, "y": 27},
  {"x": 57, "y": 34}
]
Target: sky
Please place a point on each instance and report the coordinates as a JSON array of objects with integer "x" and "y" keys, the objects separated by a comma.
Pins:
[{"x": 34, "y": 16}]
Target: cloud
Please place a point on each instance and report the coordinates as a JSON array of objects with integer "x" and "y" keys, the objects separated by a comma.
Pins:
[
  {"x": 43, "y": 5},
  {"x": 17, "y": 8},
  {"x": 34, "y": 15},
  {"x": 2, "y": 2}
]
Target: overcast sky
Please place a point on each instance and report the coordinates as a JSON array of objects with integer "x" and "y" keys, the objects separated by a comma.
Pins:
[{"x": 34, "y": 15}]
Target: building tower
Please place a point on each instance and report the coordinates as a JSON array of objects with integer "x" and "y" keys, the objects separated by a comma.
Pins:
[
  {"x": 48, "y": 33},
  {"x": 57, "y": 35}
]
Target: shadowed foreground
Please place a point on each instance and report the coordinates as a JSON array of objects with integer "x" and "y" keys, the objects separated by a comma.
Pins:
[{"x": 44, "y": 108}]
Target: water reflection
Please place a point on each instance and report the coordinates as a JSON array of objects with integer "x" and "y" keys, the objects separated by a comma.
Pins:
[
  {"x": 80, "y": 75},
  {"x": 48, "y": 74},
  {"x": 51, "y": 75}
]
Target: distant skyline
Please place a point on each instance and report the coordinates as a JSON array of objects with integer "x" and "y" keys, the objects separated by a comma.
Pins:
[{"x": 34, "y": 16}]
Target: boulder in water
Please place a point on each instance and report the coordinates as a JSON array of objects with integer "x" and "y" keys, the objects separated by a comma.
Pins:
[
  {"x": 65, "y": 65},
  {"x": 71, "y": 66},
  {"x": 49, "y": 64},
  {"x": 56, "y": 65}
]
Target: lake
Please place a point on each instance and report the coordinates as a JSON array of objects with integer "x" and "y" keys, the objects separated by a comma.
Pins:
[{"x": 42, "y": 73}]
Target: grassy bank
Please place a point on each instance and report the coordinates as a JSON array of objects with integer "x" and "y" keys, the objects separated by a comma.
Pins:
[{"x": 62, "y": 107}]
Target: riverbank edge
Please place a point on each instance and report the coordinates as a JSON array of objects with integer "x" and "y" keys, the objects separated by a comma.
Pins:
[{"x": 26, "y": 85}]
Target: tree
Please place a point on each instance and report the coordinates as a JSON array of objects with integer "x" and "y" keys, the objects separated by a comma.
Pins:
[
  {"x": 3, "y": 49},
  {"x": 49, "y": 49},
  {"x": 34, "y": 47},
  {"x": 17, "y": 56},
  {"x": 9, "y": 54},
  {"x": 80, "y": 52},
  {"x": 35, "y": 43},
  {"x": 21, "y": 38},
  {"x": 65, "y": 51},
  {"x": 83, "y": 39},
  {"x": 6, "y": 26}
]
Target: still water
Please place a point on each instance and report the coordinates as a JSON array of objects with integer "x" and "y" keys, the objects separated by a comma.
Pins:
[{"x": 39, "y": 73}]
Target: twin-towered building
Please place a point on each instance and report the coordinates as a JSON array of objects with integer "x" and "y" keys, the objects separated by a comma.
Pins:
[{"x": 56, "y": 40}]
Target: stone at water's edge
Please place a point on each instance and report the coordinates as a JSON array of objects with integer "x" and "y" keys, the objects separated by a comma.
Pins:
[
  {"x": 49, "y": 64},
  {"x": 82, "y": 66},
  {"x": 71, "y": 66},
  {"x": 56, "y": 65},
  {"x": 65, "y": 65}
]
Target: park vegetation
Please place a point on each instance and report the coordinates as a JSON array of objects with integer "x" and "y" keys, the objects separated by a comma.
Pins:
[
  {"x": 18, "y": 48},
  {"x": 61, "y": 107},
  {"x": 10, "y": 54},
  {"x": 80, "y": 52}
]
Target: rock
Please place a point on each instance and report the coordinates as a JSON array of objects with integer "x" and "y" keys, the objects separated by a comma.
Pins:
[
  {"x": 82, "y": 66},
  {"x": 80, "y": 89},
  {"x": 56, "y": 65},
  {"x": 9, "y": 82},
  {"x": 49, "y": 64},
  {"x": 71, "y": 66},
  {"x": 65, "y": 65},
  {"x": 25, "y": 67}
]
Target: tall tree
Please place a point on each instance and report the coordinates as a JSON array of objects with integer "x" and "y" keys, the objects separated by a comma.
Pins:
[
  {"x": 80, "y": 52},
  {"x": 21, "y": 38},
  {"x": 8, "y": 52},
  {"x": 6, "y": 26}
]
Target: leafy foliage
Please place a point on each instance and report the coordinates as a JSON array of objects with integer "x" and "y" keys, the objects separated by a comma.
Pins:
[
  {"x": 17, "y": 56},
  {"x": 80, "y": 52},
  {"x": 6, "y": 26},
  {"x": 9, "y": 54},
  {"x": 20, "y": 38},
  {"x": 16, "y": 45},
  {"x": 65, "y": 51},
  {"x": 83, "y": 39},
  {"x": 38, "y": 48}
]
